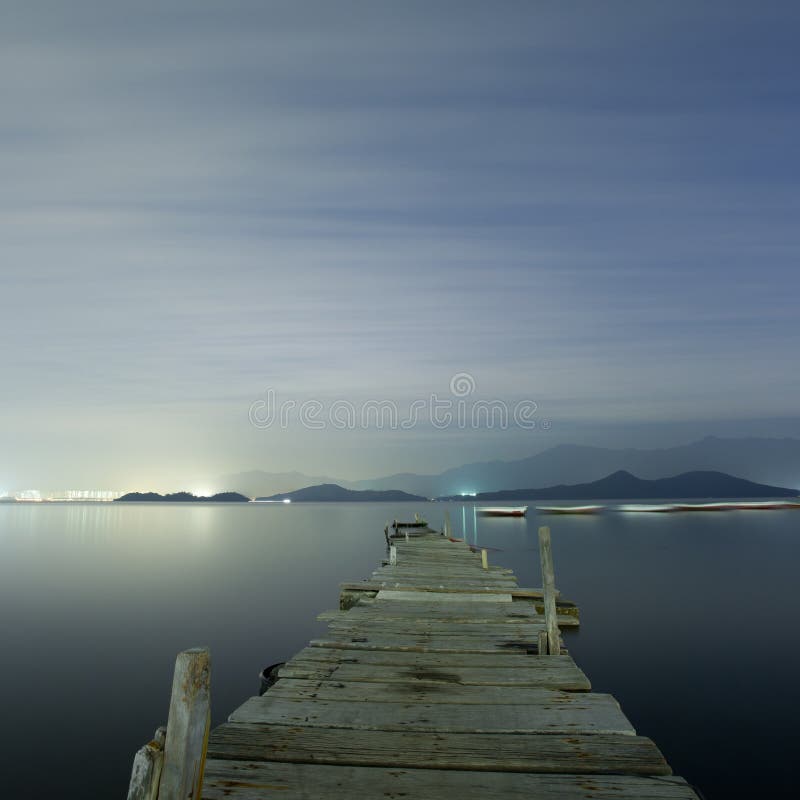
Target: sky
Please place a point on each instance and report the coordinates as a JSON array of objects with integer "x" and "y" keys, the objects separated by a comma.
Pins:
[{"x": 588, "y": 206}]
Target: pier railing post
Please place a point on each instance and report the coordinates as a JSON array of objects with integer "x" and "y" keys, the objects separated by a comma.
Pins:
[
  {"x": 147, "y": 765},
  {"x": 549, "y": 586},
  {"x": 447, "y": 528},
  {"x": 485, "y": 558},
  {"x": 187, "y": 726},
  {"x": 392, "y": 555}
]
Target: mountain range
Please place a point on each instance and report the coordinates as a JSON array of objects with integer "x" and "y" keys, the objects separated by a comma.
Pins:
[
  {"x": 181, "y": 497},
  {"x": 622, "y": 485},
  {"x": 769, "y": 461},
  {"x": 330, "y": 493}
]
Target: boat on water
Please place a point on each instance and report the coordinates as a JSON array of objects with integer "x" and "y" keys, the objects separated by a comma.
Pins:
[
  {"x": 765, "y": 505},
  {"x": 650, "y": 508},
  {"x": 502, "y": 511},
  {"x": 569, "y": 509},
  {"x": 704, "y": 506}
]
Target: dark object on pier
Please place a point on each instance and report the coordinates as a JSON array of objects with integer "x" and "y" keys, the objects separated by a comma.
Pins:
[{"x": 268, "y": 676}]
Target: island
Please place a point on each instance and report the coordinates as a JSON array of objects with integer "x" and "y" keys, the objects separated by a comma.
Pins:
[
  {"x": 333, "y": 493},
  {"x": 181, "y": 497},
  {"x": 623, "y": 485}
]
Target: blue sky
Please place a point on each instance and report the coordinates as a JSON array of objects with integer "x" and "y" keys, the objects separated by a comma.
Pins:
[{"x": 592, "y": 205}]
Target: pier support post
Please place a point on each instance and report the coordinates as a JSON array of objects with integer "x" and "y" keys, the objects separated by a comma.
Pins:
[
  {"x": 485, "y": 558},
  {"x": 147, "y": 765},
  {"x": 392, "y": 555},
  {"x": 447, "y": 528},
  {"x": 542, "y": 643},
  {"x": 549, "y": 586},
  {"x": 187, "y": 727}
]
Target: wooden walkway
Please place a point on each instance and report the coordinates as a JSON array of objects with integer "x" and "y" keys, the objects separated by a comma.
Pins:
[{"x": 430, "y": 685}]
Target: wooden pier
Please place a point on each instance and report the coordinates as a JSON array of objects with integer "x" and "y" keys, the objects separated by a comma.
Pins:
[{"x": 438, "y": 677}]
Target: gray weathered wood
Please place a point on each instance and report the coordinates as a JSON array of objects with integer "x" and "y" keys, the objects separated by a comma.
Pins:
[
  {"x": 423, "y": 610},
  {"x": 444, "y": 581},
  {"x": 430, "y": 644},
  {"x": 450, "y": 612},
  {"x": 437, "y": 682},
  {"x": 564, "y": 678},
  {"x": 411, "y": 594},
  {"x": 549, "y": 585},
  {"x": 542, "y": 642},
  {"x": 376, "y": 586},
  {"x": 187, "y": 726},
  {"x": 428, "y": 691},
  {"x": 588, "y": 713},
  {"x": 257, "y": 780},
  {"x": 532, "y": 752},
  {"x": 146, "y": 773},
  {"x": 498, "y": 659},
  {"x": 512, "y": 629},
  {"x": 454, "y": 574}
]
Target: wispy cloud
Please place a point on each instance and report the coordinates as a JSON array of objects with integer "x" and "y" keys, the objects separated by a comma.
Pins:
[{"x": 593, "y": 204}]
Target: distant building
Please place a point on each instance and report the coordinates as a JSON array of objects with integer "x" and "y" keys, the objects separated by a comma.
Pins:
[{"x": 85, "y": 495}]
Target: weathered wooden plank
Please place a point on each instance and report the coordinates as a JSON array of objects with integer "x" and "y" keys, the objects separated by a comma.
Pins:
[
  {"x": 474, "y": 612},
  {"x": 394, "y": 573},
  {"x": 572, "y": 680},
  {"x": 250, "y": 780},
  {"x": 429, "y": 644},
  {"x": 531, "y": 752},
  {"x": 447, "y": 582},
  {"x": 464, "y": 561},
  {"x": 451, "y": 612},
  {"x": 514, "y": 630},
  {"x": 516, "y": 636},
  {"x": 412, "y": 594},
  {"x": 434, "y": 600},
  {"x": 497, "y": 659},
  {"x": 427, "y": 691},
  {"x": 585, "y": 713},
  {"x": 375, "y": 586}
]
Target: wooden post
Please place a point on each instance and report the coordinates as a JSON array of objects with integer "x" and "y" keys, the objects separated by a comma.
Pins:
[
  {"x": 549, "y": 586},
  {"x": 392, "y": 555},
  {"x": 447, "y": 528},
  {"x": 542, "y": 645},
  {"x": 147, "y": 765},
  {"x": 187, "y": 727},
  {"x": 485, "y": 558},
  {"x": 406, "y": 534}
]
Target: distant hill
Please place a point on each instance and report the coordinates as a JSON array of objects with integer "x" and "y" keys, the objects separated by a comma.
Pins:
[
  {"x": 770, "y": 461},
  {"x": 257, "y": 483},
  {"x": 622, "y": 485},
  {"x": 331, "y": 493},
  {"x": 181, "y": 497}
]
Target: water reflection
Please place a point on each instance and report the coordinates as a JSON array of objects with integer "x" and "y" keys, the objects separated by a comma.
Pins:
[{"x": 96, "y": 600}]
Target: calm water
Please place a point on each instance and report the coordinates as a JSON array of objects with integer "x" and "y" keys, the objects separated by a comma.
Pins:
[{"x": 690, "y": 620}]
